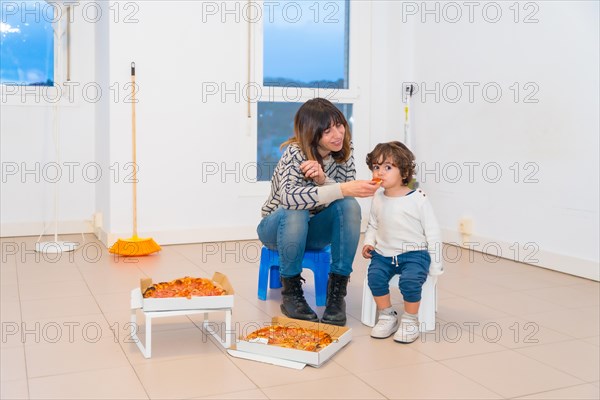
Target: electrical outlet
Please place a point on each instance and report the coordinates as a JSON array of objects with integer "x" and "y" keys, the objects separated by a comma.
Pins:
[
  {"x": 97, "y": 220},
  {"x": 465, "y": 226}
]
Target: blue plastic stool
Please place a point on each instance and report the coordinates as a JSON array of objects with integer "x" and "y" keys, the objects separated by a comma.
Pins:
[{"x": 316, "y": 260}]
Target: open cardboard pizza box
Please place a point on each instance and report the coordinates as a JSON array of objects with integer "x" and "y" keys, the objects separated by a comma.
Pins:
[
  {"x": 183, "y": 303},
  {"x": 293, "y": 358}
]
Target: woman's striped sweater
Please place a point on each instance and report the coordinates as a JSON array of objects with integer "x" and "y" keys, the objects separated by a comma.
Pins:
[{"x": 289, "y": 188}]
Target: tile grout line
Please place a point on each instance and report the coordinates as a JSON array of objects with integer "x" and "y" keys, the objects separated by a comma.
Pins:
[
  {"x": 512, "y": 350},
  {"x": 471, "y": 379},
  {"x": 509, "y": 315},
  {"x": 552, "y": 390},
  {"x": 569, "y": 337},
  {"x": 360, "y": 379},
  {"x": 444, "y": 366},
  {"x": 108, "y": 322},
  {"x": 349, "y": 374},
  {"x": 21, "y": 315},
  {"x": 553, "y": 367}
]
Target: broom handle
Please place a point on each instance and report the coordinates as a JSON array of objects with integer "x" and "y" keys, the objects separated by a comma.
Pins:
[{"x": 135, "y": 233}]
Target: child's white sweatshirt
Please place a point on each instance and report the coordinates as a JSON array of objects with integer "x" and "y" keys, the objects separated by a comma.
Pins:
[{"x": 401, "y": 224}]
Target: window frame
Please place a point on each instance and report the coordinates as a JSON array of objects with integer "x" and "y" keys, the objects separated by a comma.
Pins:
[{"x": 359, "y": 63}]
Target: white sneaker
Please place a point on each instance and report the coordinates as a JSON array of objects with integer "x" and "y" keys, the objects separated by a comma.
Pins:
[
  {"x": 386, "y": 326},
  {"x": 408, "y": 331}
]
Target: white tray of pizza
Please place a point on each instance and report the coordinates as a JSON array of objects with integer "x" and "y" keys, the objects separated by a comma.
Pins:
[
  {"x": 187, "y": 293},
  {"x": 293, "y": 340}
]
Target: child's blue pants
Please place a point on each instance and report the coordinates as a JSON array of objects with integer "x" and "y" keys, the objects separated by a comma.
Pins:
[{"x": 413, "y": 267}]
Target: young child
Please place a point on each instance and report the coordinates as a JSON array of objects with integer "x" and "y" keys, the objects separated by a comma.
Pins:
[{"x": 403, "y": 237}]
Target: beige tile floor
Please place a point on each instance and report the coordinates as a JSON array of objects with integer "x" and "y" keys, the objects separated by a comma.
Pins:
[{"x": 505, "y": 330}]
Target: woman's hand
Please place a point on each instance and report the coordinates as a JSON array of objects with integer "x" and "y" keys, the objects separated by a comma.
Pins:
[
  {"x": 366, "y": 251},
  {"x": 359, "y": 188},
  {"x": 313, "y": 170}
]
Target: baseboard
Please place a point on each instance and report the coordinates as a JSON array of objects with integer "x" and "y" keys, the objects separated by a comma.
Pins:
[
  {"x": 527, "y": 253},
  {"x": 36, "y": 228}
]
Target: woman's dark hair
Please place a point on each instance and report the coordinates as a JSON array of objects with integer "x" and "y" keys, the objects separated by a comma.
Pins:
[
  {"x": 400, "y": 156},
  {"x": 312, "y": 119}
]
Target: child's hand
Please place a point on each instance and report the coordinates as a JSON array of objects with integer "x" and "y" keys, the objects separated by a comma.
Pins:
[
  {"x": 313, "y": 170},
  {"x": 366, "y": 251}
]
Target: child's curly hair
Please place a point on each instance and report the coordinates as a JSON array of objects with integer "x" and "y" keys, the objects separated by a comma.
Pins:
[{"x": 400, "y": 156}]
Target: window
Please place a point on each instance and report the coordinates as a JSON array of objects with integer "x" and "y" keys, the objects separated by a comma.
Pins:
[
  {"x": 26, "y": 43},
  {"x": 305, "y": 55},
  {"x": 306, "y": 44},
  {"x": 276, "y": 125}
]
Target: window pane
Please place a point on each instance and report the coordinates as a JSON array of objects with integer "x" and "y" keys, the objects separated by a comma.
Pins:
[
  {"x": 306, "y": 44},
  {"x": 26, "y": 43},
  {"x": 275, "y": 126}
]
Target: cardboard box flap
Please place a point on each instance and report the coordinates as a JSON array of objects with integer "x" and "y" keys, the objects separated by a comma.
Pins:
[
  {"x": 222, "y": 280},
  {"x": 145, "y": 283}
]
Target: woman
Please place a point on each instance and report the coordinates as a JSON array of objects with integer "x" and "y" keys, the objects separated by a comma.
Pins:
[{"x": 312, "y": 205}]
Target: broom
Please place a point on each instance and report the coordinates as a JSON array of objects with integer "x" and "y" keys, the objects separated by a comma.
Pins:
[
  {"x": 413, "y": 184},
  {"x": 134, "y": 246}
]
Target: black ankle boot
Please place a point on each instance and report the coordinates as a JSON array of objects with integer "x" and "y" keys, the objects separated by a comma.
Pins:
[
  {"x": 335, "y": 310},
  {"x": 294, "y": 304}
]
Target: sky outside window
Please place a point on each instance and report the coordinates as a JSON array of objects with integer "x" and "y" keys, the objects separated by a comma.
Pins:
[
  {"x": 26, "y": 43},
  {"x": 306, "y": 43},
  {"x": 275, "y": 126}
]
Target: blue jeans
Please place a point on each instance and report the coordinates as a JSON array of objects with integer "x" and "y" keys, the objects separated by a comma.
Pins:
[
  {"x": 413, "y": 267},
  {"x": 290, "y": 232}
]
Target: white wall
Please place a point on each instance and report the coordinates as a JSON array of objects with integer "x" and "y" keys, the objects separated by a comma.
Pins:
[
  {"x": 174, "y": 53},
  {"x": 558, "y": 135},
  {"x": 391, "y": 64}
]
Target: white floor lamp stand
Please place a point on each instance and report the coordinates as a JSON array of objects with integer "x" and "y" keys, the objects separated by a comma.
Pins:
[{"x": 56, "y": 246}]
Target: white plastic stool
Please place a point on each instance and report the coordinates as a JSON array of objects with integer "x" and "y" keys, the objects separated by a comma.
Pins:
[{"x": 427, "y": 308}]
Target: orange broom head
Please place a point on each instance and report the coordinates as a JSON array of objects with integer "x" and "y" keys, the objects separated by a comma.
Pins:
[{"x": 134, "y": 246}]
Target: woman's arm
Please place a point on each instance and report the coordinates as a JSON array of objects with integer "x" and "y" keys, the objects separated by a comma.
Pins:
[
  {"x": 345, "y": 173},
  {"x": 296, "y": 193},
  {"x": 293, "y": 191}
]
